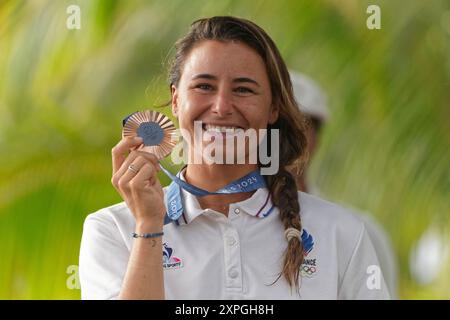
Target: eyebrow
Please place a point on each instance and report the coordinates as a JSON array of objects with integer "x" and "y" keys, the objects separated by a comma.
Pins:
[{"x": 212, "y": 77}]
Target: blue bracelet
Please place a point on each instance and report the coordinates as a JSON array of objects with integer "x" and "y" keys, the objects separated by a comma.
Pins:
[{"x": 147, "y": 235}]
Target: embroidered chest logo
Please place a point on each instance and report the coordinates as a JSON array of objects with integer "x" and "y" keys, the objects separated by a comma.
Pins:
[
  {"x": 309, "y": 265},
  {"x": 169, "y": 260}
]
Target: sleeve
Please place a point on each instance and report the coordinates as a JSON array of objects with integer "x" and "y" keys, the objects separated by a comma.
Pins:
[
  {"x": 363, "y": 278},
  {"x": 103, "y": 259}
]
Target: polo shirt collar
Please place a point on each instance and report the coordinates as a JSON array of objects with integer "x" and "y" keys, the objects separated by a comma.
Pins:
[{"x": 258, "y": 205}]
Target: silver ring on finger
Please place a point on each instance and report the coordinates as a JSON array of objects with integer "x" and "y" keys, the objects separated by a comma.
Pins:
[{"x": 132, "y": 168}]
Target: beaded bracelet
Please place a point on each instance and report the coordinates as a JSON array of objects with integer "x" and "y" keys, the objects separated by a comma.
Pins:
[{"x": 147, "y": 235}]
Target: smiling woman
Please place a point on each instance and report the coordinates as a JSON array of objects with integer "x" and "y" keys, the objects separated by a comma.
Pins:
[{"x": 259, "y": 244}]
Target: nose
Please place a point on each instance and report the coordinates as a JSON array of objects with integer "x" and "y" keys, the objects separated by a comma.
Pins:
[{"x": 223, "y": 105}]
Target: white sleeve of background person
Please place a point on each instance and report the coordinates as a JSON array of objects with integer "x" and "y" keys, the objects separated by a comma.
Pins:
[
  {"x": 103, "y": 258},
  {"x": 362, "y": 277}
]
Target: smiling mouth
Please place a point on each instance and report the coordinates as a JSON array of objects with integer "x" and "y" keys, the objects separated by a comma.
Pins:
[{"x": 221, "y": 129}]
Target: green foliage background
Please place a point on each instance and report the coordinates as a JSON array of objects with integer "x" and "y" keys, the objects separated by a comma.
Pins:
[{"x": 64, "y": 92}]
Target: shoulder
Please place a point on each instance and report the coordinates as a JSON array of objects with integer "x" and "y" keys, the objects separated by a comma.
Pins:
[
  {"x": 110, "y": 214},
  {"x": 332, "y": 226},
  {"x": 116, "y": 216},
  {"x": 318, "y": 211},
  {"x": 115, "y": 221},
  {"x": 118, "y": 212},
  {"x": 347, "y": 221}
]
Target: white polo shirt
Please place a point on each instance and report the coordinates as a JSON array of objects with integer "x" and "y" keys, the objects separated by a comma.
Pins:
[{"x": 210, "y": 256}]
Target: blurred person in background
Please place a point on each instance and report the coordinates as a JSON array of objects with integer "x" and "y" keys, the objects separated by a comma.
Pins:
[{"x": 313, "y": 103}]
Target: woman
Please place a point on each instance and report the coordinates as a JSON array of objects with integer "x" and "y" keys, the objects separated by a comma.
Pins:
[{"x": 269, "y": 243}]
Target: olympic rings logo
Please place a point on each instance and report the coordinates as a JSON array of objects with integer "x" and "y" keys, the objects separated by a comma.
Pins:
[{"x": 308, "y": 270}]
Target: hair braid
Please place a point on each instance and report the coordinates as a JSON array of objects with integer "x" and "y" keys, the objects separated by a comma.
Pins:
[{"x": 284, "y": 195}]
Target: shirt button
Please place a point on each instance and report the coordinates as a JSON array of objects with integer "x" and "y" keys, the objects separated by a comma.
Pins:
[
  {"x": 231, "y": 241},
  {"x": 233, "y": 273},
  {"x": 237, "y": 211}
]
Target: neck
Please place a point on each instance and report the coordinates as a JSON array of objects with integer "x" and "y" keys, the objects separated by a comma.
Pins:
[{"x": 215, "y": 176}]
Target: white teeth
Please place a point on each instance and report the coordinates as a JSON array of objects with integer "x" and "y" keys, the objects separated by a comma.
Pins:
[{"x": 222, "y": 129}]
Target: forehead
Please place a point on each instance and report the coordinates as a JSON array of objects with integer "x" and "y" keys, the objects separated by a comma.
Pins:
[{"x": 225, "y": 59}]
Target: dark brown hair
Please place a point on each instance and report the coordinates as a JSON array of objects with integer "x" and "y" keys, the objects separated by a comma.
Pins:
[{"x": 290, "y": 122}]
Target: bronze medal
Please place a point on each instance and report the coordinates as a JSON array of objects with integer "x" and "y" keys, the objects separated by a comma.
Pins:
[{"x": 156, "y": 129}]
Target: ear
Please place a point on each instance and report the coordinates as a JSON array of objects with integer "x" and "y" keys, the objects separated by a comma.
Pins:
[
  {"x": 274, "y": 113},
  {"x": 174, "y": 100}
]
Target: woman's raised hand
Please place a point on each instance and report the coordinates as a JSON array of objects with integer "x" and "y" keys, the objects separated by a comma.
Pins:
[{"x": 135, "y": 178}]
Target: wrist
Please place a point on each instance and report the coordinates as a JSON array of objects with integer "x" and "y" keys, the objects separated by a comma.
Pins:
[
  {"x": 152, "y": 235},
  {"x": 144, "y": 226}
]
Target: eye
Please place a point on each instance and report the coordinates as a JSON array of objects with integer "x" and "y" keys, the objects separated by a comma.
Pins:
[
  {"x": 204, "y": 86},
  {"x": 243, "y": 90}
]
